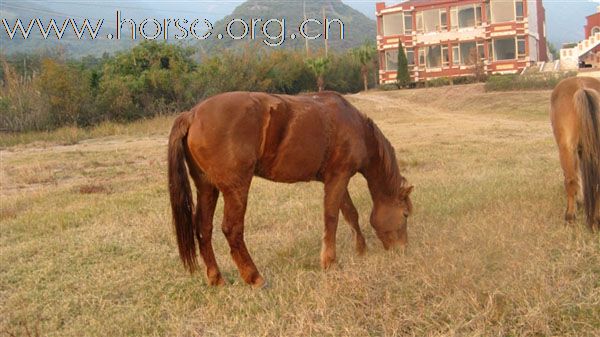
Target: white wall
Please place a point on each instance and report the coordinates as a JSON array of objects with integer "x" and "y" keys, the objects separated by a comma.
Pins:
[{"x": 532, "y": 17}]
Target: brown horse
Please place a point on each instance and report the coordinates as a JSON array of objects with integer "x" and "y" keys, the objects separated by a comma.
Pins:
[
  {"x": 229, "y": 138},
  {"x": 575, "y": 116}
]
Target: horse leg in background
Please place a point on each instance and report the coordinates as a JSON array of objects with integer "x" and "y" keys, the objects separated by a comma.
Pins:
[
  {"x": 351, "y": 215},
  {"x": 236, "y": 199},
  {"x": 568, "y": 161},
  {"x": 207, "y": 198},
  {"x": 335, "y": 187}
]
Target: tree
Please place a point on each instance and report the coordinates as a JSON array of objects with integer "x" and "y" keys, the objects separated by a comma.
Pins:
[
  {"x": 150, "y": 78},
  {"x": 403, "y": 76},
  {"x": 318, "y": 66},
  {"x": 478, "y": 66},
  {"x": 364, "y": 55},
  {"x": 553, "y": 51},
  {"x": 65, "y": 92}
]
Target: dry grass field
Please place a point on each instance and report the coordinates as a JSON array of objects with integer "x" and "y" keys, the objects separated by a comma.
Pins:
[{"x": 87, "y": 248}]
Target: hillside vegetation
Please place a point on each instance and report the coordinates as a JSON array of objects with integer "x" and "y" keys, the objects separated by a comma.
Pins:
[
  {"x": 87, "y": 246},
  {"x": 43, "y": 93}
]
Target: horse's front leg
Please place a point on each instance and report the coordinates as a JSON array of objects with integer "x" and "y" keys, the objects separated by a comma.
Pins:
[
  {"x": 233, "y": 227},
  {"x": 335, "y": 188}
]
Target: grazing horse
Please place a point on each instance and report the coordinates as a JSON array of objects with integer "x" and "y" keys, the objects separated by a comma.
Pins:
[
  {"x": 575, "y": 116},
  {"x": 229, "y": 138}
]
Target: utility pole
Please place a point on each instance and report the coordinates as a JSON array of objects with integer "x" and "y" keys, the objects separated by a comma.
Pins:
[
  {"x": 305, "y": 39},
  {"x": 325, "y": 36}
]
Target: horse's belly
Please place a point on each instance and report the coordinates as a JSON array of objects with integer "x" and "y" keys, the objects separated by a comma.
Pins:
[{"x": 299, "y": 164}]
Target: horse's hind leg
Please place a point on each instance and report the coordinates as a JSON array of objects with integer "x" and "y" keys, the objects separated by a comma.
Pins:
[
  {"x": 236, "y": 199},
  {"x": 208, "y": 195},
  {"x": 568, "y": 161},
  {"x": 351, "y": 215},
  {"x": 580, "y": 197}
]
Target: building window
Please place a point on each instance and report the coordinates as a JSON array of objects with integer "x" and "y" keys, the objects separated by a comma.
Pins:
[
  {"x": 419, "y": 22},
  {"x": 468, "y": 53},
  {"x": 478, "y": 15},
  {"x": 504, "y": 49},
  {"x": 421, "y": 56},
  {"x": 453, "y": 18},
  {"x": 393, "y": 24},
  {"x": 595, "y": 30},
  {"x": 445, "y": 56},
  {"x": 521, "y": 47},
  {"x": 519, "y": 9},
  {"x": 410, "y": 57},
  {"x": 480, "y": 50},
  {"x": 455, "y": 55},
  {"x": 407, "y": 23},
  {"x": 431, "y": 20},
  {"x": 391, "y": 60},
  {"x": 434, "y": 56},
  {"x": 466, "y": 16},
  {"x": 502, "y": 10},
  {"x": 443, "y": 19}
]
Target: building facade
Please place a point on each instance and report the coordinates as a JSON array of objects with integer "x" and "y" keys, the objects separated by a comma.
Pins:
[
  {"x": 585, "y": 53},
  {"x": 446, "y": 38},
  {"x": 592, "y": 27}
]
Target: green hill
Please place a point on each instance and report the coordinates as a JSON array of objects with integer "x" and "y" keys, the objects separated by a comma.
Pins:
[{"x": 357, "y": 27}]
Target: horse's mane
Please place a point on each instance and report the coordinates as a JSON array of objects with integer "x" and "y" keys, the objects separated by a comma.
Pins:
[{"x": 394, "y": 182}]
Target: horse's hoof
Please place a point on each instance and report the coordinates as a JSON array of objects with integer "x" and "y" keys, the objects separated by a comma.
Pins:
[
  {"x": 260, "y": 283},
  {"x": 327, "y": 263},
  {"x": 216, "y": 281},
  {"x": 361, "y": 248},
  {"x": 569, "y": 218}
]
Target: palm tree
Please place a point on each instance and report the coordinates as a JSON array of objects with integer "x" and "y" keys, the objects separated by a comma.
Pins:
[
  {"x": 318, "y": 66},
  {"x": 364, "y": 54}
]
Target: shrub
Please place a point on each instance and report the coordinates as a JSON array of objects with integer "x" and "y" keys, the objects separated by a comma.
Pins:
[
  {"x": 536, "y": 81},
  {"x": 438, "y": 82}
]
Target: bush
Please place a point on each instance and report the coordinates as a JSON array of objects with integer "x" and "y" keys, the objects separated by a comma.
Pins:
[
  {"x": 536, "y": 81},
  {"x": 439, "y": 82},
  {"x": 388, "y": 87},
  {"x": 20, "y": 103},
  {"x": 149, "y": 79}
]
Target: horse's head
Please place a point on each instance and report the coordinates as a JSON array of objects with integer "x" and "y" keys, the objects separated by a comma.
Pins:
[{"x": 389, "y": 218}]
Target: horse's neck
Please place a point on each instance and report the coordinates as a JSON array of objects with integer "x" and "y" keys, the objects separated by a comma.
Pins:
[{"x": 380, "y": 179}]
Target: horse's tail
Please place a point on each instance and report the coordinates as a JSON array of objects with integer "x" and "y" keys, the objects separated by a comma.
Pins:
[
  {"x": 180, "y": 191},
  {"x": 587, "y": 103}
]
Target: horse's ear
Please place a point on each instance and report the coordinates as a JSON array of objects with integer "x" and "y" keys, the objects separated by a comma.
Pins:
[{"x": 408, "y": 190}]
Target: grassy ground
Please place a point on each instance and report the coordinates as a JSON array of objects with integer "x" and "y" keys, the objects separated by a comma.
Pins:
[{"x": 87, "y": 248}]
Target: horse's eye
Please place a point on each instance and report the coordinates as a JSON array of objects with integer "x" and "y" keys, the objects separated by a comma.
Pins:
[{"x": 406, "y": 214}]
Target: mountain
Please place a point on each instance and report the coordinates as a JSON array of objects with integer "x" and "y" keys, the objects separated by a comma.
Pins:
[
  {"x": 357, "y": 27},
  {"x": 69, "y": 43}
]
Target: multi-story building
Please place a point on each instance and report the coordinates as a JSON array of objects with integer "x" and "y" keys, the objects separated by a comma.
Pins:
[{"x": 446, "y": 38}]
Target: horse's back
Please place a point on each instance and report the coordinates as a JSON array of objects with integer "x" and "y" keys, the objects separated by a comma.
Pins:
[{"x": 279, "y": 137}]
